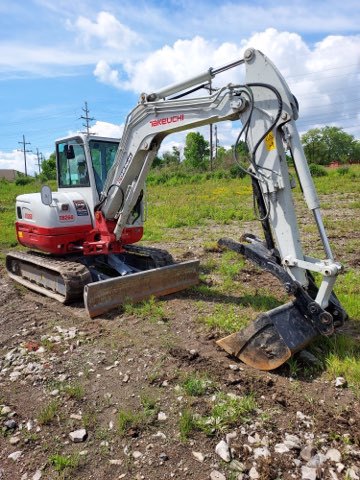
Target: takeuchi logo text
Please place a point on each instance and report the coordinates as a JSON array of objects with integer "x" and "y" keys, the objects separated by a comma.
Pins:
[{"x": 167, "y": 120}]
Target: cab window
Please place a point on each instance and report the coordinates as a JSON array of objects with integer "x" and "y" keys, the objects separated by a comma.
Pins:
[
  {"x": 102, "y": 156},
  {"x": 72, "y": 166}
]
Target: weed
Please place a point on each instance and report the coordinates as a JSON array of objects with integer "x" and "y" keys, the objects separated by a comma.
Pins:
[
  {"x": 343, "y": 170},
  {"x": 156, "y": 372},
  {"x": 208, "y": 265},
  {"x": 231, "y": 265},
  {"x": 30, "y": 437},
  {"x": 205, "y": 291},
  {"x": 211, "y": 246},
  {"x": 293, "y": 365},
  {"x": 149, "y": 404},
  {"x": 229, "y": 409},
  {"x": 102, "y": 434},
  {"x": 150, "y": 309},
  {"x": 341, "y": 355},
  {"x": 225, "y": 412},
  {"x": 127, "y": 419},
  {"x": 48, "y": 413},
  {"x": 187, "y": 424},
  {"x": 89, "y": 419},
  {"x": 46, "y": 343},
  {"x": 75, "y": 391},
  {"x": 62, "y": 463},
  {"x": 345, "y": 438},
  {"x": 309, "y": 399},
  {"x": 227, "y": 319},
  {"x": 317, "y": 170},
  {"x": 196, "y": 385},
  {"x": 265, "y": 417},
  {"x": 348, "y": 291}
]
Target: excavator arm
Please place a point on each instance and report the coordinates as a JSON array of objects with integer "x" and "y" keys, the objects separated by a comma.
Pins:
[{"x": 268, "y": 112}]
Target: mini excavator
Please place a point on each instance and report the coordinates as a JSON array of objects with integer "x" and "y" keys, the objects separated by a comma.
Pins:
[{"x": 83, "y": 237}]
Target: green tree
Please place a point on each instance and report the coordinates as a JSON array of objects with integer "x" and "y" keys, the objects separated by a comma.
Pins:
[
  {"x": 225, "y": 157},
  {"x": 157, "y": 162},
  {"x": 171, "y": 158},
  {"x": 48, "y": 168},
  {"x": 196, "y": 151},
  {"x": 329, "y": 144},
  {"x": 168, "y": 158}
]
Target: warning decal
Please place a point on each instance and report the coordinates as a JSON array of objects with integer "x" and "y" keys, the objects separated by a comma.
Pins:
[{"x": 270, "y": 141}]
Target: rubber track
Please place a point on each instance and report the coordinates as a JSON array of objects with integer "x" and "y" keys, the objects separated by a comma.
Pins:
[
  {"x": 161, "y": 258},
  {"x": 75, "y": 275}
]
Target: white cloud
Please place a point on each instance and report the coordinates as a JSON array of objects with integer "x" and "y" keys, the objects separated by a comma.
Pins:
[
  {"x": 15, "y": 161},
  {"x": 184, "y": 59},
  {"x": 105, "y": 74},
  {"x": 105, "y": 129},
  {"x": 322, "y": 77},
  {"x": 105, "y": 39},
  {"x": 108, "y": 30}
]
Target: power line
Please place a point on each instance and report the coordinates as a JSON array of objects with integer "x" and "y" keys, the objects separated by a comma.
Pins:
[
  {"x": 324, "y": 70},
  {"x": 25, "y": 151}
]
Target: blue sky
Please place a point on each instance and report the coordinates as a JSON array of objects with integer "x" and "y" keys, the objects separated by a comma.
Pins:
[{"x": 57, "y": 54}]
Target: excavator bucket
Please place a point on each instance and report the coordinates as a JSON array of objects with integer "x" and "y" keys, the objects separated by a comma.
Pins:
[
  {"x": 277, "y": 334},
  {"x": 271, "y": 339}
]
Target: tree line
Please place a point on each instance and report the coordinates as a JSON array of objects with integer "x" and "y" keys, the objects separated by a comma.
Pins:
[{"x": 322, "y": 146}]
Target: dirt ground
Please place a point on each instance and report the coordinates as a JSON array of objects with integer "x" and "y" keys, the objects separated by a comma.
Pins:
[
  {"x": 61, "y": 372},
  {"x": 112, "y": 362}
]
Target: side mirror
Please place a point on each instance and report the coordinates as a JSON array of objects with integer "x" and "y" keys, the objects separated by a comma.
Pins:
[
  {"x": 46, "y": 195},
  {"x": 69, "y": 152}
]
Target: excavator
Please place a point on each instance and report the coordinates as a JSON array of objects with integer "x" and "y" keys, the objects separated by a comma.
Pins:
[{"x": 83, "y": 236}]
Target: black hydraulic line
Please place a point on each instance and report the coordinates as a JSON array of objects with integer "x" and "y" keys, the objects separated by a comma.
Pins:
[
  {"x": 258, "y": 196},
  {"x": 188, "y": 92}
]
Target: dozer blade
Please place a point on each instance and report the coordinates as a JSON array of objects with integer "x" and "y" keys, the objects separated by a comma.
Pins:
[
  {"x": 100, "y": 297},
  {"x": 272, "y": 338}
]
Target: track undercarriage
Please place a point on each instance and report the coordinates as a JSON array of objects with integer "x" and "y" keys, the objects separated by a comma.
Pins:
[{"x": 104, "y": 281}]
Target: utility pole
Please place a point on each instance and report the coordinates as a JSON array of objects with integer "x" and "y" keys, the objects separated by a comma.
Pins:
[
  {"x": 87, "y": 118},
  {"x": 25, "y": 151},
  {"x": 211, "y": 134},
  {"x": 39, "y": 159},
  {"x": 216, "y": 143}
]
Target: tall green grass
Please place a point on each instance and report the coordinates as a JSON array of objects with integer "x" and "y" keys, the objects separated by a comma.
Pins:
[
  {"x": 341, "y": 357},
  {"x": 188, "y": 205}
]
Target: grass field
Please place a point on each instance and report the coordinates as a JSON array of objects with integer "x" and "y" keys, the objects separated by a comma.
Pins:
[{"x": 199, "y": 213}]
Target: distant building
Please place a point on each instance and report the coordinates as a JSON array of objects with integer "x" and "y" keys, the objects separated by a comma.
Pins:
[{"x": 9, "y": 174}]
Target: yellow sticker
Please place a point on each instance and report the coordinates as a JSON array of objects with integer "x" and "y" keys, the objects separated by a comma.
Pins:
[
  {"x": 270, "y": 141},
  {"x": 20, "y": 234}
]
